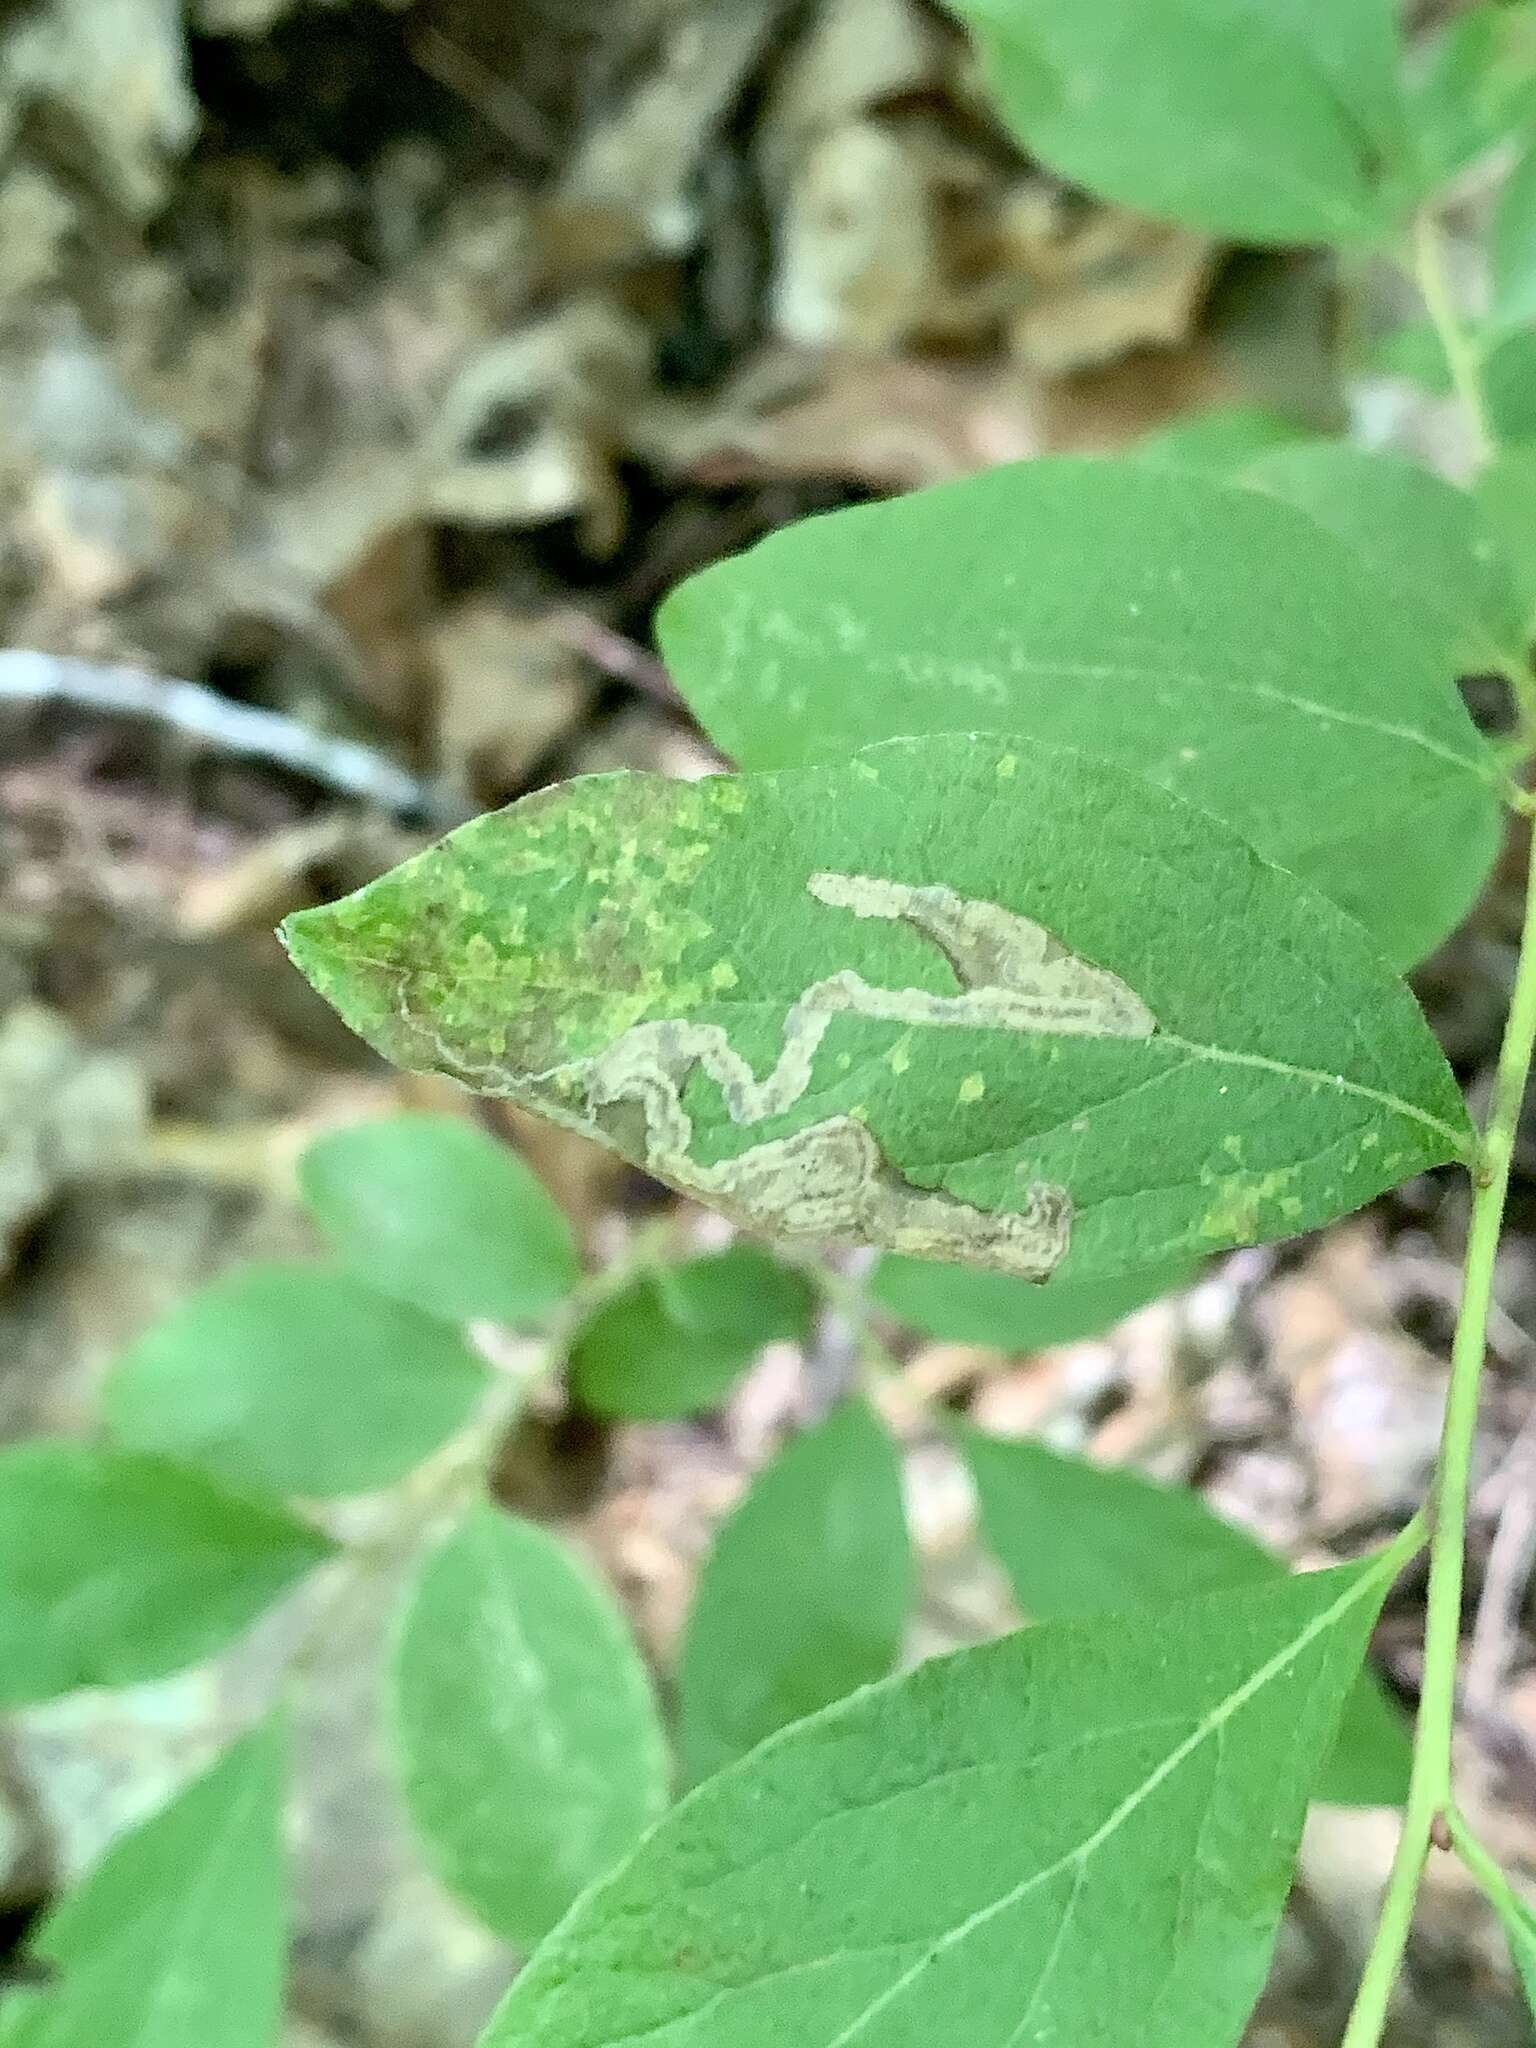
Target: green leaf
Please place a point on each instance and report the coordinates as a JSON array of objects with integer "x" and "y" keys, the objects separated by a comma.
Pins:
[
  {"x": 1509, "y": 385},
  {"x": 115, "y": 1568},
  {"x": 1202, "y": 634},
  {"x": 964, "y": 1306},
  {"x": 1469, "y": 86},
  {"x": 1268, "y": 123},
  {"x": 934, "y": 998},
  {"x": 1506, "y": 492},
  {"x": 804, "y": 1596},
  {"x": 1425, "y": 538},
  {"x": 1518, "y": 1918},
  {"x": 433, "y": 1212},
  {"x": 1082, "y": 1833},
  {"x": 177, "y": 1938},
  {"x": 1413, "y": 350},
  {"x": 1221, "y": 442},
  {"x": 294, "y": 1379},
  {"x": 677, "y": 1339},
  {"x": 530, "y": 1751},
  {"x": 1520, "y": 1932},
  {"x": 1507, "y": 370},
  {"x": 1512, "y": 248},
  {"x": 1370, "y": 1763},
  {"x": 1076, "y": 1538}
]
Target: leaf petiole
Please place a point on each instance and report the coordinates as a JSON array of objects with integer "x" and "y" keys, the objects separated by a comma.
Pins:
[{"x": 1429, "y": 272}]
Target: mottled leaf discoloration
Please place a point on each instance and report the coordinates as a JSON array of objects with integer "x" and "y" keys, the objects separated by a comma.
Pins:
[
  {"x": 830, "y": 1179},
  {"x": 953, "y": 997}
]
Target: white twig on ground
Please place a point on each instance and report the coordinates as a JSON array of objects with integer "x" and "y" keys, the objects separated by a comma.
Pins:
[{"x": 200, "y": 714}]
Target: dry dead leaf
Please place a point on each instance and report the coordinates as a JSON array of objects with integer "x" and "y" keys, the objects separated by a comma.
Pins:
[
  {"x": 115, "y": 72},
  {"x": 508, "y": 688},
  {"x": 66, "y": 1112}
]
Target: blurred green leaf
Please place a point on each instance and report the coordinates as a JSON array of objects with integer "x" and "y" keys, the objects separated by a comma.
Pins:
[
  {"x": 177, "y": 1939},
  {"x": 964, "y": 1306},
  {"x": 931, "y": 998},
  {"x": 805, "y": 1593},
  {"x": 529, "y": 1747},
  {"x": 1083, "y": 1833},
  {"x": 116, "y": 1568},
  {"x": 1221, "y": 442},
  {"x": 678, "y": 1337},
  {"x": 1197, "y": 633},
  {"x": 1512, "y": 248},
  {"x": 1468, "y": 86},
  {"x": 1509, "y": 385},
  {"x": 433, "y": 1212},
  {"x": 1506, "y": 491},
  {"x": 1516, "y": 1914},
  {"x": 1424, "y": 537},
  {"x": 1507, "y": 369},
  {"x": 1415, "y": 351},
  {"x": 1372, "y": 1756},
  {"x": 1076, "y": 1538},
  {"x": 295, "y": 1380},
  {"x": 1270, "y": 120}
]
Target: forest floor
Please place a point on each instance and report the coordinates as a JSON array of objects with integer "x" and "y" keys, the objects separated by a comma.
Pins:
[{"x": 377, "y": 367}]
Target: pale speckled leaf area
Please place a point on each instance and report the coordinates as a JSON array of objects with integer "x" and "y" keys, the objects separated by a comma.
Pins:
[
  {"x": 1207, "y": 636},
  {"x": 530, "y": 1750},
  {"x": 933, "y": 998},
  {"x": 1424, "y": 537},
  {"x": 1074, "y": 1835}
]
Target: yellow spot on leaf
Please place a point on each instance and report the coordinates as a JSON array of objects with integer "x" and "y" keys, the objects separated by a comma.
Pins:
[
  {"x": 682, "y": 863},
  {"x": 972, "y": 1088}
]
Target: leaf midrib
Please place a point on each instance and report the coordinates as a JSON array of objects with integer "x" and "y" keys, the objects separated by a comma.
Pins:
[
  {"x": 1459, "y": 1141},
  {"x": 1212, "y": 1723},
  {"x": 1202, "y": 682}
]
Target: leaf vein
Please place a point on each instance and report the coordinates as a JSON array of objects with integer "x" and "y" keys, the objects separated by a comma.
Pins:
[{"x": 1210, "y": 1725}]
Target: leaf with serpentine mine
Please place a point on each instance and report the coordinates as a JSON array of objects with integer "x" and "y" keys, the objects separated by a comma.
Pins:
[{"x": 951, "y": 997}]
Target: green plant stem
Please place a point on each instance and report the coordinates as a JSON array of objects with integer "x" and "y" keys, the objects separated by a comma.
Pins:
[
  {"x": 1430, "y": 275},
  {"x": 848, "y": 1299},
  {"x": 1429, "y": 1791},
  {"x": 1495, "y": 1885},
  {"x": 456, "y": 1474}
]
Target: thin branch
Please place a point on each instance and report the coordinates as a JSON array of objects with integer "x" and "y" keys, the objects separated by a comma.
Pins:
[
  {"x": 1429, "y": 1789},
  {"x": 224, "y": 727}
]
